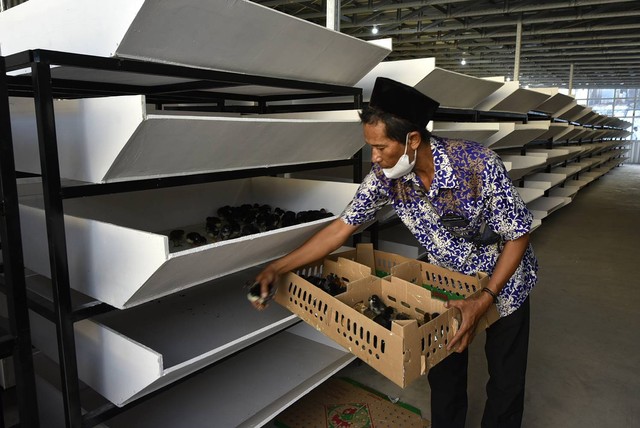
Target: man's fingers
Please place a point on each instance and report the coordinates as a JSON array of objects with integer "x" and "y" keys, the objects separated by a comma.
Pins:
[{"x": 264, "y": 289}]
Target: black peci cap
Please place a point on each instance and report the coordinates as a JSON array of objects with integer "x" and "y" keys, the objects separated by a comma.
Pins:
[{"x": 403, "y": 101}]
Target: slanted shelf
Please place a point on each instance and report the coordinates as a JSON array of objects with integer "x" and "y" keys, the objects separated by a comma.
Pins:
[
  {"x": 557, "y": 155},
  {"x": 529, "y": 194},
  {"x": 512, "y": 98},
  {"x": 543, "y": 180},
  {"x": 456, "y": 90},
  {"x": 472, "y": 131},
  {"x": 116, "y": 139},
  {"x": 163, "y": 340},
  {"x": 198, "y": 33},
  {"x": 522, "y": 165},
  {"x": 513, "y": 134},
  {"x": 247, "y": 390},
  {"x": 131, "y": 231},
  {"x": 556, "y": 131},
  {"x": 450, "y": 89},
  {"x": 542, "y": 207},
  {"x": 555, "y": 103},
  {"x": 574, "y": 112}
]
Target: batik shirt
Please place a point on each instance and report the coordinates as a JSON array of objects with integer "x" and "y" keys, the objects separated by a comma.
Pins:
[{"x": 470, "y": 181}]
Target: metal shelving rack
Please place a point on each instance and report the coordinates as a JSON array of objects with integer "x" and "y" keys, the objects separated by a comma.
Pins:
[
  {"x": 18, "y": 342},
  {"x": 195, "y": 86}
]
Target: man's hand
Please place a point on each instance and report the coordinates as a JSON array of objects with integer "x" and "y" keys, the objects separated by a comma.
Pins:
[
  {"x": 267, "y": 279},
  {"x": 471, "y": 310}
]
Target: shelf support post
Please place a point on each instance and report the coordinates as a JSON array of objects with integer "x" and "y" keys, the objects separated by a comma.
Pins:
[
  {"x": 54, "y": 214},
  {"x": 13, "y": 265}
]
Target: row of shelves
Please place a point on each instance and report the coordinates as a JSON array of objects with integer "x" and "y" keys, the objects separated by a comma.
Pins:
[{"x": 69, "y": 262}]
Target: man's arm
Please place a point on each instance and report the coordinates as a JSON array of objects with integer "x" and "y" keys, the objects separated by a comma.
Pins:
[
  {"x": 324, "y": 242},
  {"x": 472, "y": 309}
]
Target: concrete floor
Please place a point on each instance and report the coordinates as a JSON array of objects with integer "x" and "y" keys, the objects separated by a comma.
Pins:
[{"x": 584, "y": 354}]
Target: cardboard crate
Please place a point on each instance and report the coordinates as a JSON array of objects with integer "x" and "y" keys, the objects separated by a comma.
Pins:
[
  {"x": 401, "y": 354},
  {"x": 445, "y": 284},
  {"x": 380, "y": 262}
]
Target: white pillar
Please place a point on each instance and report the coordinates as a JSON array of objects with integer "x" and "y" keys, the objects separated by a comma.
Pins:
[
  {"x": 516, "y": 64},
  {"x": 333, "y": 14},
  {"x": 571, "y": 79}
]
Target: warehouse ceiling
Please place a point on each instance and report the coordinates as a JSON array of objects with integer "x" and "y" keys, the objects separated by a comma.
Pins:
[{"x": 600, "y": 38}]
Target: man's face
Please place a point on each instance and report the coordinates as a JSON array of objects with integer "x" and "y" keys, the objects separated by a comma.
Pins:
[{"x": 384, "y": 151}]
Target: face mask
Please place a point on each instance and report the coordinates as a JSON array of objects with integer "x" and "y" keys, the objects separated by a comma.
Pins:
[{"x": 403, "y": 166}]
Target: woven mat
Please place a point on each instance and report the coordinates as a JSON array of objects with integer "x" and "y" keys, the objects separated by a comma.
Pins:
[{"x": 343, "y": 403}]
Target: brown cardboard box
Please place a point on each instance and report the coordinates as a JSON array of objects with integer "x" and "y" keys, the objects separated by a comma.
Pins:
[
  {"x": 452, "y": 283},
  {"x": 380, "y": 262},
  {"x": 401, "y": 354},
  {"x": 409, "y": 349}
]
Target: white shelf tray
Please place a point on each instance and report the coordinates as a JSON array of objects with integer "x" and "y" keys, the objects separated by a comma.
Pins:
[
  {"x": 247, "y": 390},
  {"x": 529, "y": 194},
  {"x": 536, "y": 224},
  {"x": 546, "y": 205},
  {"x": 153, "y": 345},
  {"x": 557, "y": 155},
  {"x": 573, "y": 112},
  {"x": 564, "y": 192},
  {"x": 410, "y": 72},
  {"x": 456, "y": 90},
  {"x": 555, "y": 103},
  {"x": 118, "y": 251},
  {"x": 573, "y": 134},
  {"x": 568, "y": 171},
  {"x": 522, "y": 165},
  {"x": 543, "y": 180},
  {"x": 589, "y": 118},
  {"x": 230, "y": 35},
  {"x": 556, "y": 130},
  {"x": 511, "y": 98},
  {"x": 116, "y": 138},
  {"x": 596, "y": 173},
  {"x": 515, "y": 134},
  {"x": 586, "y": 163},
  {"x": 472, "y": 131},
  {"x": 582, "y": 116}
]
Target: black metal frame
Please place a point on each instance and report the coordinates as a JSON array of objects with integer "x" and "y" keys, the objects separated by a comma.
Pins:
[
  {"x": 19, "y": 340},
  {"x": 200, "y": 87}
]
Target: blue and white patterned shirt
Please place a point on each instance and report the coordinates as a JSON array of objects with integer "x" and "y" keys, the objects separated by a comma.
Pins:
[{"x": 471, "y": 181}]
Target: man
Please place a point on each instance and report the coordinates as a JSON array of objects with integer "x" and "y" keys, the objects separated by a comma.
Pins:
[{"x": 457, "y": 199}]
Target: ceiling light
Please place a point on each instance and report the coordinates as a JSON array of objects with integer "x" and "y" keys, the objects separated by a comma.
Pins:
[
  {"x": 463, "y": 61},
  {"x": 374, "y": 30}
]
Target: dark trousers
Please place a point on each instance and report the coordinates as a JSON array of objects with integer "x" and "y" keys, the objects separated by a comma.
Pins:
[{"x": 506, "y": 350}]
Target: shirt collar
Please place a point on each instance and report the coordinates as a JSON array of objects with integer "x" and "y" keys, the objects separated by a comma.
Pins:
[{"x": 444, "y": 178}]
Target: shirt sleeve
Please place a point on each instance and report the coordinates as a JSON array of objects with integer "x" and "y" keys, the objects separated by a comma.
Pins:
[
  {"x": 508, "y": 214},
  {"x": 368, "y": 200}
]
